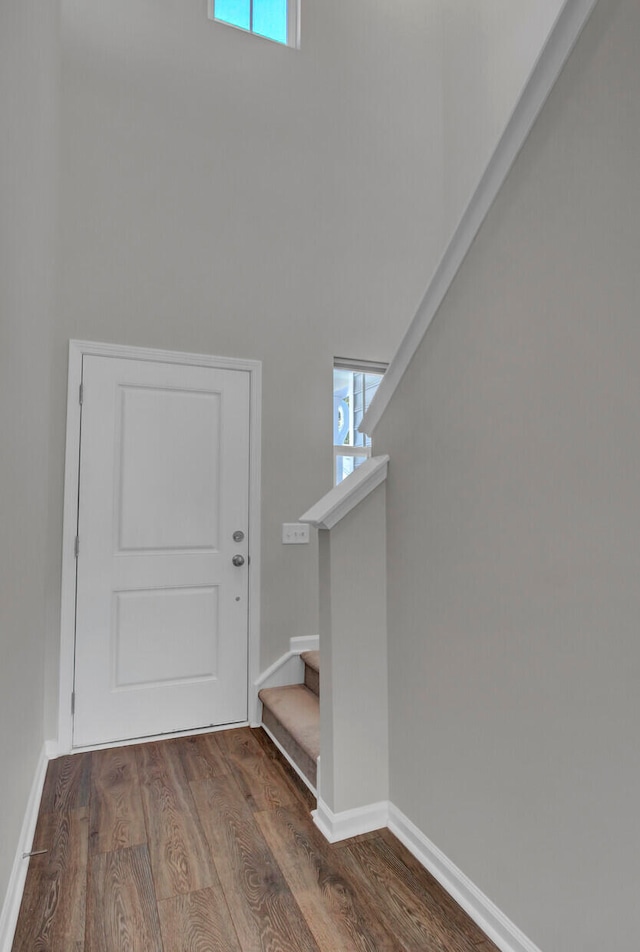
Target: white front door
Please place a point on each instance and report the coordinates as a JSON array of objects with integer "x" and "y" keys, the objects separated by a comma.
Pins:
[{"x": 162, "y": 610}]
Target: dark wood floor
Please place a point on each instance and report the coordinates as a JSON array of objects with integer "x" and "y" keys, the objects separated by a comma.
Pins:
[{"x": 205, "y": 843}]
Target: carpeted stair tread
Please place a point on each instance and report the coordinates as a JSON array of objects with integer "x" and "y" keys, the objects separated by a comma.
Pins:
[
  {"x": 298, "y": 711},
  {"x": 312, "y": 658}
]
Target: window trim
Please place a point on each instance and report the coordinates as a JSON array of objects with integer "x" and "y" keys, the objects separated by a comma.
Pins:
[
  {"x": 360, "y": 366},
  {"x": 345, "y": 450}
]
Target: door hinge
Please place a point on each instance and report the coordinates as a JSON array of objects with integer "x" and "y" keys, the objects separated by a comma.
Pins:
[
  {"x": 76, "y": 547},
  {"x": 73, "y": 703},
  {"x": 81, "y": 394}
]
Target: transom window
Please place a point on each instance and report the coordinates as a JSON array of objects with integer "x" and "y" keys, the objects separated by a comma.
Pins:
[
  {"x": 276, "y": 20},
  {"x": 354, "y": 384}
]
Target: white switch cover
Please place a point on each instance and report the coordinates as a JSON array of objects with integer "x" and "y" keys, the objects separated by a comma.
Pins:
[{"x": 295, "y": 533}]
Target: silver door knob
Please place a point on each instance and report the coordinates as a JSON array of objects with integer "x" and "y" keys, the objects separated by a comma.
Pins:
[{"x": 238, "y": 560}]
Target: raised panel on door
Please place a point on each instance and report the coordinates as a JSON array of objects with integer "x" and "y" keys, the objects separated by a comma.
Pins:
[
  {"x": 168, "y": 439},
  {"x": 162, "y": 612}
]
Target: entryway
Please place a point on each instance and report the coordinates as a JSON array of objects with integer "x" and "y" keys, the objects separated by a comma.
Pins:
[
  {"x": 162, "y": 549},
  {"x": 206, "y": 843}
]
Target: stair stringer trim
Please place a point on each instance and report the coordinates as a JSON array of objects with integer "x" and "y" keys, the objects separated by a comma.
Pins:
[
  {"x": 287, "y": 756},
  {"x": 288, "y": 669}
]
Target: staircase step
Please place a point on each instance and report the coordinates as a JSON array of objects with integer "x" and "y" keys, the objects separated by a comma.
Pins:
[
  {"x": 292, "y": 715},
  {"x": 312, "y": 658},
  {"x": 312, "y": 670}
]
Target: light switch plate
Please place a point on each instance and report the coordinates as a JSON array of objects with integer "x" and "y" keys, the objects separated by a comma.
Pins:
[{"x": 295, "y": 533}]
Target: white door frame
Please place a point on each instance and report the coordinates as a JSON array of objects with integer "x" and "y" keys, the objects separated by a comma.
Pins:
[{"x": 77, "y": 349}]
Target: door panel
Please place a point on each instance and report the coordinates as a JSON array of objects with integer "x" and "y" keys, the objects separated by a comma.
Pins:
[
  {"x": 162, "y": 613},
  {"x": 160, "y": 431},
  {"x": 146, "y": 651}
]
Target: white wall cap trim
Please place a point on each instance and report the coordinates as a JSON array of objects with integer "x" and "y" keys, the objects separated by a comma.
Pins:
[
  {"x": 346, "y": 495},
  {"x": 566, "y": 30},
  {"x": 482, "y": 910},
  {"x": 18, "y": 875},
  {"x": 340, "y": 826},
  {"x": 304, "y": 643}
]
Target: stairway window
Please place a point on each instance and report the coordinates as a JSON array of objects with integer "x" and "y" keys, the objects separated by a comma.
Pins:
[
  {"x": 275, "y": 20},
  {"x": 354, "y": 384}
]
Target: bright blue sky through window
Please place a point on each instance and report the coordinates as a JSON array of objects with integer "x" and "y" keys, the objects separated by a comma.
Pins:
[
  {"x": 268, "y": 18},
  {"x": 237, "y": 12}
]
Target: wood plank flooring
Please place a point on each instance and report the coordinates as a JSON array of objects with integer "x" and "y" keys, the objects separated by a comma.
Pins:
[{"x": 205, "y": 844}]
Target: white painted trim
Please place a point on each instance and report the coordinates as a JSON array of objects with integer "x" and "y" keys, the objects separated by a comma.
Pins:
[
  {"x": 77, "y": 349},
  {"x": 289, "y": 759},
  {"x": 288, "y": 669},
  {"x": 51, "y": 749},
  {"x": 341, "y": 826},
  {"x": 15, "y": 888},
  {"x": 304, "y": 643},
  {"x": 272, "y": 677},
  {"x": 343, "y": 449},
  {"x": 255, "y": 525},
  {"x": 554, "y": 55},
  {"x": 346, "y": 495},
  {"x": 482, "y": 910}
]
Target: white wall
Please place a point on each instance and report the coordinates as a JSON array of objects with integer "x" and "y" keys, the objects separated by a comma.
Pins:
[
  {"x": 28, "y": 63},
  {"x": 223, "y": 194},
  {"x": 489, "y": 50},
  {"x": 513, "y": 527},
  {"x": 220, "y": 194}
]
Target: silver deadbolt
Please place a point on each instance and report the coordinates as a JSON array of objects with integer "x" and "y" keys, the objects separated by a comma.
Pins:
[
  {"x": 238, "y": 560},
  {"x": 238, "y": 535}
]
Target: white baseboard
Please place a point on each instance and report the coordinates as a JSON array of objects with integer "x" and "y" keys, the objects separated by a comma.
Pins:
[
  {"x": 15, "y": 888},
  {"x": 480, "y": 908},
  {"x": 51, "y": 749},
  {"x": 304, "y": 643},
  {"x": 288, "y": 669},
  {"x": 340, "y": 826}
]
